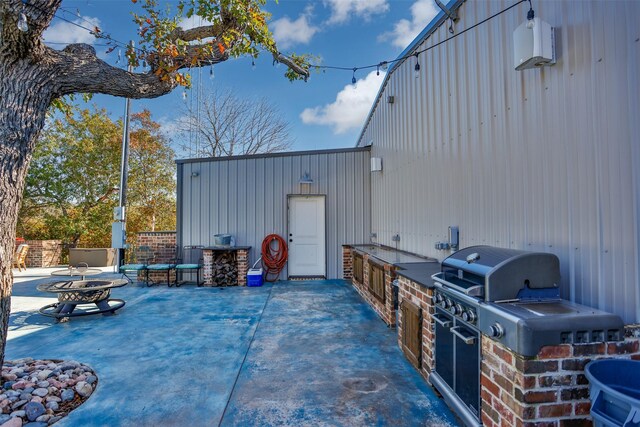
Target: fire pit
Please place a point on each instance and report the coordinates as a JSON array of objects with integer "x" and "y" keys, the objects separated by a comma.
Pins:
[{"x": 72, "y": 294}]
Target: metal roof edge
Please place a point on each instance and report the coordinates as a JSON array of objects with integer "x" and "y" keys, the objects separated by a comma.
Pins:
[
  {"x": 431, "y": 27},
  {"x": 279, "y": 154}
]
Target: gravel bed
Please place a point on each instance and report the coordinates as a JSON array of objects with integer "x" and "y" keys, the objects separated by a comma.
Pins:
[{"x": 37, "y": 393}]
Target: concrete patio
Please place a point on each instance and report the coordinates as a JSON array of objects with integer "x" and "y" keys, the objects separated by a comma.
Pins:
[{"x": 295, "y": 353}]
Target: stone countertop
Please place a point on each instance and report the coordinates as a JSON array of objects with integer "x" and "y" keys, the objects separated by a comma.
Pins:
[
  {"x": 419, "y": 273},
  {"x": 226, "y": 248},
  {"x": 391, "y": 255}
]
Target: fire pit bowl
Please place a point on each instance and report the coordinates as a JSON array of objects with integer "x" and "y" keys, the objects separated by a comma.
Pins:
[{"x": 74, "y": 293}]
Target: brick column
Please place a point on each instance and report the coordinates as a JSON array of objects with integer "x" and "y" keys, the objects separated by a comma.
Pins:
[
  {"x": 347, "y": 263},
  {"x": 43, "y": 253},
  {"x": 163, "y": 245},
  {"x": 242, "y": 262},
  {"x": 389, "y": 310},
  {"x": 207, "y": 267}
]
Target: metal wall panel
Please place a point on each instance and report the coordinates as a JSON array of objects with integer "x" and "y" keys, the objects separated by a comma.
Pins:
[
  {"x": 247, "y": 197},
  {"x": 543, "y": 159}
]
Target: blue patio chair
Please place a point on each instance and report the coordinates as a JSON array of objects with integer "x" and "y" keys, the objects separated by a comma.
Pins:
[
  {"x": 167, "y": 267},
  {"x": 189, "y": 259},
  {"x": 143, "y": 255}
]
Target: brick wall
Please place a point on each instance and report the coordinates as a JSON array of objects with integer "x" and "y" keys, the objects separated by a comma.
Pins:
[
  {"x": 386, "y": 311},
  {"x": 43, "y": 253},
  {"x": 163, "y": 244}
]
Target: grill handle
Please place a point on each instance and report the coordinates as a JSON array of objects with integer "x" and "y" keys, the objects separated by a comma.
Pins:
[
  {"x": 444, "y": 322},
  {"x": 465, "y": 339}
]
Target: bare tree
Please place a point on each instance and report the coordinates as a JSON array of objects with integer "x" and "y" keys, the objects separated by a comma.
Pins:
[
  {"x": 222, "y": 124},
  {"x": 34, "y": 76}
]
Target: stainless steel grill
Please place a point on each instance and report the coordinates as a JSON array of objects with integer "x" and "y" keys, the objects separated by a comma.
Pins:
[{"x": 513, "y": 297}]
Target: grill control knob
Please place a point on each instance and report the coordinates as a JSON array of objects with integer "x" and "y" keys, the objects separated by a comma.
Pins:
[
  {"x": 496, "y": 330},
  {"x": 447, "y": 303},
  {"x": 469, "y": 316},
  {"x": 456, "y": 309},
  {"x": 438, "y": 298}
]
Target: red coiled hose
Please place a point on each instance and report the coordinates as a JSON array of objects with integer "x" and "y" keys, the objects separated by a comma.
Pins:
[{"x": 273, "y": 259}]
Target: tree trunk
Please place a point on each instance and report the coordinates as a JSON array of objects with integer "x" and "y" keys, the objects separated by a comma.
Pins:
[{"x": 24, "y": 100}]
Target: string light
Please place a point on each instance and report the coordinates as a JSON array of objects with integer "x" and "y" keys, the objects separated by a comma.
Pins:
[
  {"x": 23, "y": 25},
  {"x": 211, "y": 75},
  {"x": 383, "y": 65},
  {"x": 253, "y": 63},
  {"x": 417, "y": 67},
  {"x": 184, "y": 95}
]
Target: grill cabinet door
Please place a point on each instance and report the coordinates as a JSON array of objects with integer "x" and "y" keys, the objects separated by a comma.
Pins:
[
  {"x": 412, "y": 332},
  {"x": 357, "y": 268},
  {"x": 376, "y": 282},
  {"x": 467, "y": 367}
]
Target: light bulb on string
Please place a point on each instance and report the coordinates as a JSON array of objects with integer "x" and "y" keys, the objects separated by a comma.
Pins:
[
  {"x": 530, "y": 15},
  {"x": 417, "y": 67},
  {"x": 353, "y": 79},
  {"x": 23, "y": 25},
  {"x": 377, "y": 70},
  {"x": 184, "y": 95},
  {"x": 253, "y": 64},
  {"x": 384, "y": 65},
  {"x": 211, "y": 75}
]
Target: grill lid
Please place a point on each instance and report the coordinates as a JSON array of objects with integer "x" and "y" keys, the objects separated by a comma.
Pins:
[{"x": 499, "y": 274}]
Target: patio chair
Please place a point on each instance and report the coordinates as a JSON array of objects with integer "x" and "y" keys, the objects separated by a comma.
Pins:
[
  {"x": 143, "y": 256},
  {"x": 189, "y": 259},
  {"x": 161, "y": 267},
  {"x": 20, "y": 257}
]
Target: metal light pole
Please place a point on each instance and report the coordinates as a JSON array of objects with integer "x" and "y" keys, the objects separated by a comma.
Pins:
[{"x": 118, "y": 228}]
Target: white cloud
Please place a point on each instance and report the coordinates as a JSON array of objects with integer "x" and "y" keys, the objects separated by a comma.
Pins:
[
  {"x": 288, "y": 33},
  {"x": 341, "y": 10},
  {"x": 193, "y": 22},
  {"x": 404, "y": 31},
  {"x": 350, "y": 108},
  {"x": 66, "y": 32}
]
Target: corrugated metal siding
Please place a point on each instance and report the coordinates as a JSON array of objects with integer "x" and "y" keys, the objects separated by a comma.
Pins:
[
  {"x": 543, "y": 159},
  {"x": 247, "y": 198}
]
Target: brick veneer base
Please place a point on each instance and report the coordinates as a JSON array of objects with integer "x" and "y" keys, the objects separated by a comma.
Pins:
[
  {"x": 242, "y": 264},
  {"x": 548, "y": 390},
  {"x": 385, "y": 310}
]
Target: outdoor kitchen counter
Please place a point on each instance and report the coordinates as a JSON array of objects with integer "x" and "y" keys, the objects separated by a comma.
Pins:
[
  {"x": 419, "y": 273},
  {"x": 389, "y": 255}
]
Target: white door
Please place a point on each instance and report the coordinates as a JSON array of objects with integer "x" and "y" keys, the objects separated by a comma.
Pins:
[{"x": 306, "y": 236}]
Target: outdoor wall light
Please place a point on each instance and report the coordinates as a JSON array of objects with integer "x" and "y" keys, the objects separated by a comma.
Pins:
[{"x": 306, "y": 179}]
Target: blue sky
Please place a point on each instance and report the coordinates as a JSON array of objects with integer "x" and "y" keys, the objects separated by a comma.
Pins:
[{"x": 327, "y": 111}]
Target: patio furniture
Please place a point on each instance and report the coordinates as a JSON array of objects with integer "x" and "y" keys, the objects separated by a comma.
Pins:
[
  {"x": 143, "y": 255},
  {"x": 81, "y": 270},
  {"x": 189, "y": 258},
  {"x": 20, "y": 256},
  {"x": 72, "y": 294}
]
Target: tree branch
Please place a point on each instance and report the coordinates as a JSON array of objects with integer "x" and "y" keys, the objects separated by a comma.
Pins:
[{"x": 78, "y": 69}]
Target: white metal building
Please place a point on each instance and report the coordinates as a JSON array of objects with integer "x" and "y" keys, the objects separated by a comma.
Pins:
[{"x": 544, "y": 159}]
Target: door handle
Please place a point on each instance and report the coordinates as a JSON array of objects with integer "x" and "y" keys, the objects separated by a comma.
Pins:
[
  {"x": 465, "y": 339},
  {"x": 444, "y": 322}
]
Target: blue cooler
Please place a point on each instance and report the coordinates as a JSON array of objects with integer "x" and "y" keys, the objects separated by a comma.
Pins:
[{"x": 254, "y": 277}]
